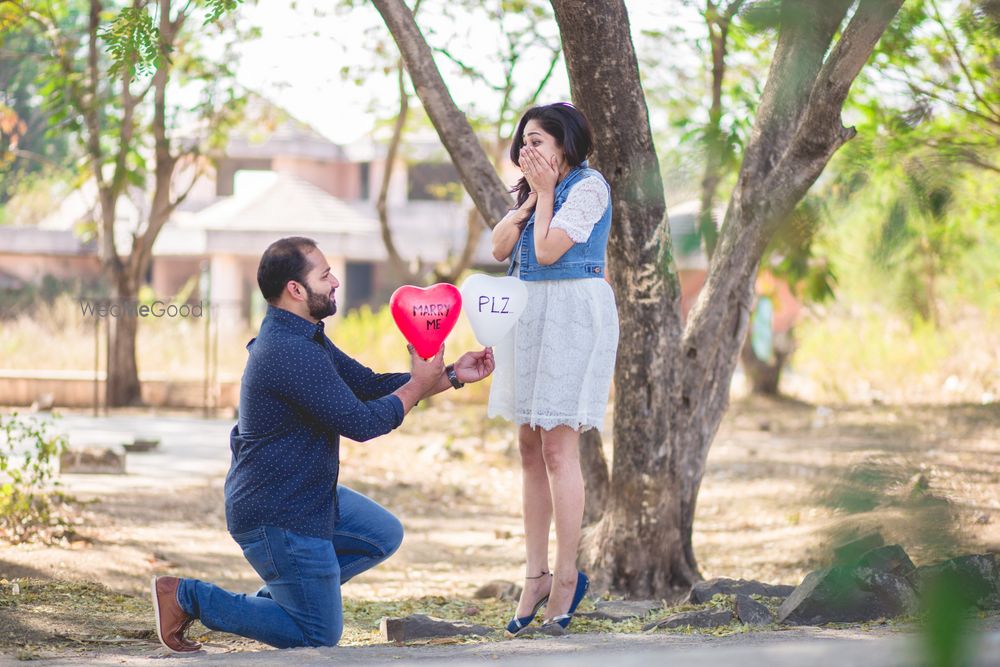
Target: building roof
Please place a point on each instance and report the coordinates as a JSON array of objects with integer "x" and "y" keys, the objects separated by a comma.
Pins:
[
  {"x": 270, "y": 131},
  {"x": 275, "y": 205}
]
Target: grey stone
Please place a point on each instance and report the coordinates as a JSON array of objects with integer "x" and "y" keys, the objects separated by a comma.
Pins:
[
  {"x": 847, "y": 553},
  {"x": 704, "y": 591},
  {"x": 842, "y": 594},
  {"x": 499, "y": 589},
  {"x": 751, "y": 612},
  {"x": 419, "y": 626},
  {"x": 142, "y": 445},
  {"x": 44, "y": 403},
  {"x": 704, "y": 618},
  {"x": 93, "y": 460},
  {"x": 895, "y": 595},
  {"x": 890, "y": 560},
  {"x": 621, "y": 610},
  {"x": 977, "y": 577}
]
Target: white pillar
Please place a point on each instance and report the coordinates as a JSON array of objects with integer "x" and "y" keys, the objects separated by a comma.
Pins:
[{"x": 227, "y": 290}]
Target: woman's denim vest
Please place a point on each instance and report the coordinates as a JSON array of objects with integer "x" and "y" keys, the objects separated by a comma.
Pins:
[{"x": 582, "y": 260}]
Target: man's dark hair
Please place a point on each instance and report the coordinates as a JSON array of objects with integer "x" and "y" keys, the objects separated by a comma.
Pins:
[{"x": 284, "y": 260}]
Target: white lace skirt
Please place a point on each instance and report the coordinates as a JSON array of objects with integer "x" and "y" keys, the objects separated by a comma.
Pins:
[{"x": 556, "y": 365}]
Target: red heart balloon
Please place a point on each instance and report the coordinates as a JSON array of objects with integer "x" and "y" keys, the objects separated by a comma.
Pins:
[{"x": 426, "y": 316}]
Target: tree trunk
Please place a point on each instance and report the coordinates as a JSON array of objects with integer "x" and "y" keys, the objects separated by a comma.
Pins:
[
  {"x": 765, "y": 376},
  {"x": 639, "y": 545},
  {"x": 672, "y": 385},
  {"x": 595, "y": 476},
  {"x": 123, "y": 376},
  {"x": 122, "y": 385},
  {"x": 455, "y": 265}
]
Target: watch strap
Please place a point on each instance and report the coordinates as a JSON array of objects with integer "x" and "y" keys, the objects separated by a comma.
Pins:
[{"x": 453, "y": 377}]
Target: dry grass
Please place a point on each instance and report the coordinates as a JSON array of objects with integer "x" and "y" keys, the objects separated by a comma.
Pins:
[
  {"x": 862, "y": 355},
  {"x": 768, "y": 510}
]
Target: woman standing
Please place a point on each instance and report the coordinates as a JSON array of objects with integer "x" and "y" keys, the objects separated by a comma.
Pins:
[{"x": 554, "y": 371}]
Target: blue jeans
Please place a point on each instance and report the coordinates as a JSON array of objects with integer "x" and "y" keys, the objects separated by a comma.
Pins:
[{"x": 299, "y": 604}]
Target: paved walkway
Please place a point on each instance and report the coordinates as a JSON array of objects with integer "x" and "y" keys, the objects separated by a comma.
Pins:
[
  {"x": 797, "y": 647},
  {"x": 191, "y": 449}
]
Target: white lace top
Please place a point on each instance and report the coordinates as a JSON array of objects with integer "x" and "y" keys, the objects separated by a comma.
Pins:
[{"x": 584, "y": 206}]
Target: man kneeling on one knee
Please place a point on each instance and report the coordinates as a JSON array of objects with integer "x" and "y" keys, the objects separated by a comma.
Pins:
[{"x": 304, "y": 534}]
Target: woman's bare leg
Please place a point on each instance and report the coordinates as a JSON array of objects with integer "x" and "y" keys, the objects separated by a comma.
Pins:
[
  {"x": 537, "y": 519},
  {"x": 561, "y": 452}
]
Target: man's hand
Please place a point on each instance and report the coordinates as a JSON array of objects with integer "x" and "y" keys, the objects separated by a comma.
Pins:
[
  {"x": 475, "y": 366},
  {"x": 425, "y": 376},
  {"x": 426, "y": 373}
]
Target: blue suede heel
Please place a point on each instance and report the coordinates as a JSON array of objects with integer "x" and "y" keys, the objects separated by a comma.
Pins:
[
  {"x": 562, "y": 621},
  {"x": 516, "y": 625}
]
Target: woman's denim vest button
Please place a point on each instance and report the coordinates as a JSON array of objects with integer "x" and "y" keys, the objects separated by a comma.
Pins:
[{"x": 582, "y": 260}]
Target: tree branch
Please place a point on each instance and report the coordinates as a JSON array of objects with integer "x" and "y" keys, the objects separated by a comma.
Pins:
[
  {"x": 769, "y": 188},
  {"x": 165, "y": 161},
  {"x": 545, "y": 79},
  {"x": 381, "y": 205},
  {"x": 850, "y": 54},
  {"x": 915, "y": 88},
  {"x": 468, "y": 71},
  {"x": 129, "y": 103},
  {"x": 731, "y": 10},
  {"x": 953, "y": 43},
  {"x": 803, "y": 39},
  {"x": 479, "y": 176}
]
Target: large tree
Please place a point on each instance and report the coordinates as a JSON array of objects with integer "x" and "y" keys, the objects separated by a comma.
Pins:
[
  {"x": 672, "y": 379},
  {"x": 108, "y": 75}
]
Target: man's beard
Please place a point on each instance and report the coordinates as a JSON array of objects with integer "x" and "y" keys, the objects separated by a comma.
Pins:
[{"x": 320, "y": 304}]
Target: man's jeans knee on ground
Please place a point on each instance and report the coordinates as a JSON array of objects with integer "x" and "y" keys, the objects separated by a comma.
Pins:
[{"x": 300, "y": 603}]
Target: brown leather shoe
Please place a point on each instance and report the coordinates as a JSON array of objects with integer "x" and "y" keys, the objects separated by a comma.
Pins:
[{"x": 171, "y": 620}]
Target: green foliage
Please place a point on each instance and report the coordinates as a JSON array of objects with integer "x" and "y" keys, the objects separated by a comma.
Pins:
[
  {"x": 764, "y": 14},
  {"x": 30, "y": 151},
  {"x": 28, "y": 454},
  {"x": 133, "y": 43},
  {"x": 948, "y": 626},
  {"x": 218, "y": 8},
  {"x": 792, "y": 254},
  {"x": 133, "y": 40},
  {"x": 917, "y": 224},
  {"x": 908, "y": 201}
]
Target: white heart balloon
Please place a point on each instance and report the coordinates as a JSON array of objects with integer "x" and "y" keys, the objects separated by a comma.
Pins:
[{"x": 493, "y": 305}]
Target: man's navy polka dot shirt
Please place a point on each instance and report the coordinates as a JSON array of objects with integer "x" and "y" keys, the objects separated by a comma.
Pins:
[{"x": 298, "y": 395}]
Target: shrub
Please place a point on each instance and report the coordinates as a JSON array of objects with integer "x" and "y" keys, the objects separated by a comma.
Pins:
[{"x": 29, "y": 501}]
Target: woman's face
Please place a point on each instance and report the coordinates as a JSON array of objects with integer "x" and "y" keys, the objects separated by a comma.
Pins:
[{"x": 543, "y": 142}]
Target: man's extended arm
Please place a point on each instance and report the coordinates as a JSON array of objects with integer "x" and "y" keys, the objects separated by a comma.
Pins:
[
  {"x": 363, "y": 381},
  {"x": 366, "y": 384},
  {"x": 308, "y": 378}
]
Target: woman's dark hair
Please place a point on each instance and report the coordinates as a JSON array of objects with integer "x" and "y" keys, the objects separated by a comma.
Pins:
[
  {"x": 284, "y": 260},
  {"x": 564, "y": 122}
]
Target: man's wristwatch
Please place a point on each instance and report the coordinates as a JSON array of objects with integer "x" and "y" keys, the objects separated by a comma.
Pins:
[{"x": 453, "y": 377}]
